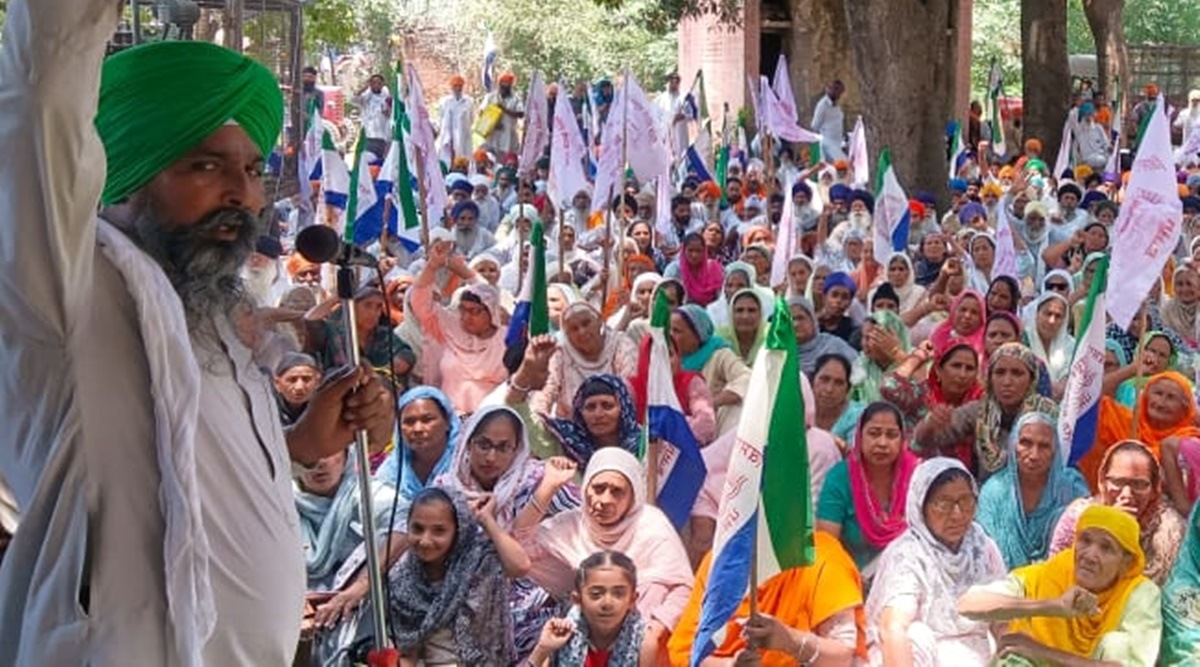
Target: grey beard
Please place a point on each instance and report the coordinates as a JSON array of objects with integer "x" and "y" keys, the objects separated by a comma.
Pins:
[{"x": 206, "y": 273}]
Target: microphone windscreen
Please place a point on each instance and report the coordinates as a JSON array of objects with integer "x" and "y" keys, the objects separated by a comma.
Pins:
[{"x": 318, "y": 243}]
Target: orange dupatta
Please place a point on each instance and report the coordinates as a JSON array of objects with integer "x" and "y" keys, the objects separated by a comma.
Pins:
[{"x": 1116, "y": 421}]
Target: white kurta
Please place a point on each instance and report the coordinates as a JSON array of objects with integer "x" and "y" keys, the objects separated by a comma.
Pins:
[
  {"x": 830, "y": 122},
  {"x": 504, "y": 138},
  {"x": 456, "y": 118},
  {"x": 83, "y": 581},
  {"x": 669, "y": 105}
]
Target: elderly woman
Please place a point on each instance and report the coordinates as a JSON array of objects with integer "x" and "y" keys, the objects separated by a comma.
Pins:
[
  {"x": 632, "y": 318},
  {"x": 952, "y": 379},
  {"x": 702, "y": 351},
  {"x": 911, "y": 610},
  {"x": 738, "y": 276},
  {"x": 813, "y": 343},
  {"x": 1179, "y": 312},
  {"x": 975, "y": 433},
  {"x": 1158, "y": 356},
  {"x": 472, "y": 340},
  {"x": 327, "y": 502},
  {"x": 616, "y": 517},
  {"x": 1003, "y": 295},
  {"x": 1089, "y": 604},
  {"x": 747, "y": 329},
  {"x": 1048, "y": 337},
  {"x": 587, "y": 348},
  {"x": 494, "y": 458},
  {"x": 1165, "y": 409},
  {"x": 1181, "y": 614},
  {"x": 863, "y": 500},
  {"x": 1131, "y": 481},
  {"x": 903, "y": 279},
  {"x": 1020, "y": 505},
  {"x": 884, "y": 345}
]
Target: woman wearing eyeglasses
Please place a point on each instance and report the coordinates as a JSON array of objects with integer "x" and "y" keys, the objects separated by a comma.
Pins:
[
  {"x": 493, "y": 457},
  {"x": 911, "y": 614},
  {"x": 1130, "y": 480}
]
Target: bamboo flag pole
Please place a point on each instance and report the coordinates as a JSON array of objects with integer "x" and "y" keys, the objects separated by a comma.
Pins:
[
  {"x": 424, "y": 194},
  {"x": 561, "y": 221},
  {"x": 608, "y": 244}
]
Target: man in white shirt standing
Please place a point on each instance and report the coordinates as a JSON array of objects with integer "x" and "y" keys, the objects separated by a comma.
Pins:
[
  {"x": 830, "y": 122},
  {"x": 671, "y": 110},
  {"x": 503, "y": 138},
  {"x": 375, "y": 103},
  {"x": 456, "y": 118},
  {"x": 142, "y": 443}
]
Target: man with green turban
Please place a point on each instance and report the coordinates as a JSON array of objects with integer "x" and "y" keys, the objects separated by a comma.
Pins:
[{"x": 141, "y": 442}]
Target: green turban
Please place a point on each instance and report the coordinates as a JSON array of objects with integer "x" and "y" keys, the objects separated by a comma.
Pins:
[{"x": 159, "y": 101}]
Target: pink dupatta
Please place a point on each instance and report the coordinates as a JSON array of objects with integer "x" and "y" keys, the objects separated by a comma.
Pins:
[
  {"x": 704, "y": 285},
  {"x": 944, "y": 335},
  {"x": 879, "y": 527}
]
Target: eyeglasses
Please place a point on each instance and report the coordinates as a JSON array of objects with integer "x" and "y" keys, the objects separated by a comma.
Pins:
[
  {"x": 945, "y": 506},
  {"x": 1118, "y": 484},
  {"x": 1057, "y": 287},
  {"x": 483, "y": 446}
]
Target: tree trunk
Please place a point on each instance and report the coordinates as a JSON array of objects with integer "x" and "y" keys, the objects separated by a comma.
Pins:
[
  {"x": 1105, "y": 18},
  {"x": 905, "y": 53},
  {"x": 820, "y": 50},
  {"x": 1047, "y": 74}
]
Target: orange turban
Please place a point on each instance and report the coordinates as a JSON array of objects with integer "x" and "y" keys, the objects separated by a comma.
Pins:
[
  {"x": 1034, "y": 146},
  {"x": 709, "y": 188},
  {"x": 457, "y": 80},
  {"x": 296, "y": 263},
  {"x": 480, "y": 155},
  {"x": 1008, "y": 172},
  {"x": 508, "y": 78},
  {"x": 841, "y": 165}
]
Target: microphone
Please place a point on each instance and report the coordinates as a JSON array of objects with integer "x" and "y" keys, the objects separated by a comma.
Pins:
[{"x": 321, "y": 243}]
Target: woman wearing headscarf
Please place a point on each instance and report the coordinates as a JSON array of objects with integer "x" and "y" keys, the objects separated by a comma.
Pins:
[
  {"x": 428, "y": 433},
  {"x": 930, "y": 259},
  {"x": 799, "y": 269},
  {"x": 701, "y": 350},
  {"x": 1047, "y": 335},
  {"x": 451, "y": 608},
  {"x": 702, "y": 276},
  {"x": 738, "y": 276},
  {"x": 1003, "y": 295},
  {"x": 747, "y": 328},
  {"x": 327, "y": 502},
  {"x": 975, "y": 433},
  {"x": 983, "y": 257},
  {"x": 952, "y": 379},
  {"x": 1020, "y": 505},
  {"x": 884, "y": 343},
  {"x": 1179, "y": 312},
  {"x": 494, "y": 458},
  {"x": 911, "y": 611},
  {"x": 1089, "y": 602},
  {"x": 864, "y": 497},
  {"x": 1166, "y": 408},
  {"x": 615, "y": 516},
  {"x": 472, "y": 339},
  {"x": 1130, "y": 479},
  {"x": 966, "y": 322},
  {"x": 1158, "y": 356},
  {"x": 1181, "y": 601},
  {"x": 903, "y": 279},
  {"x": 633, "y": 318},
  {"x": 586, "y": 348},
  {"x": 813, "y": 343}
]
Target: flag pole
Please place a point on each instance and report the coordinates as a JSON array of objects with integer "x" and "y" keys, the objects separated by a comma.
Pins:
[
  {"x": 1137, "y": 381},
  {"x": 521, "y": 261},
  {"x": 607, "y": 248},
  {"x": 424, "y": 194},
  {"x": 561, "y": 221},
  {"x": 753, "y": 592}
]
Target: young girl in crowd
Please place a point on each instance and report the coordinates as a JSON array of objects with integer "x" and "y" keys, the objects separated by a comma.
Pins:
[{"x": 603, "y": 628}]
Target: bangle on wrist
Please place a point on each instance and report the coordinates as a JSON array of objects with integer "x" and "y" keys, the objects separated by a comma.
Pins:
[{"x": 516, "y": 386}]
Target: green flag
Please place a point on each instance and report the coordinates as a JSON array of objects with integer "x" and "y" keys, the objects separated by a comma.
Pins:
[
  {"x": 352, "y": 201},
  {"x": 403, "y": 179},
  {"x": 539, "y": 312}
]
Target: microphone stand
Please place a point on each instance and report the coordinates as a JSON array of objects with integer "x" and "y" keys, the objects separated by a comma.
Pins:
[{"x": 346, "y": 284}]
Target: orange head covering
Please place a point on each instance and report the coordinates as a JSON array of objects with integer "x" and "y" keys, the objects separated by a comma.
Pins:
[
  {"x": 1008, "y": 172},
  {"x": 1050, "y": 579},
  {"x": 508, "y": 78},
  {"x": 991, "y": 188},
  {"x": 296, "y": 263},
  {"x": 1033, "y": 146},
  {"x": 480, "y": 155},
  {"x": 460, "y": 164},
  {"x": 1184, "y": 191},
  {"x": 1081, "y": 172},
  {"x": 457, "y": 80},
  {"x": 841, "y": 165},
  {"x": 709, "y": 188}
]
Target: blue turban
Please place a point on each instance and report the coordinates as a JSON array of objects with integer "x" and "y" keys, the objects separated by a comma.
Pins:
[
  {"x": 969, "y": 212},
  {"x": 840, "y": 279},
  {"x": 465, "y": 205},
  {"x": 462, "y": 185},
  {"x": 958, "y": 185},
  {"x": 864, "y": 197},
  {"x": 801, "y": 186},
  {"x": 839, "y": 192}
]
